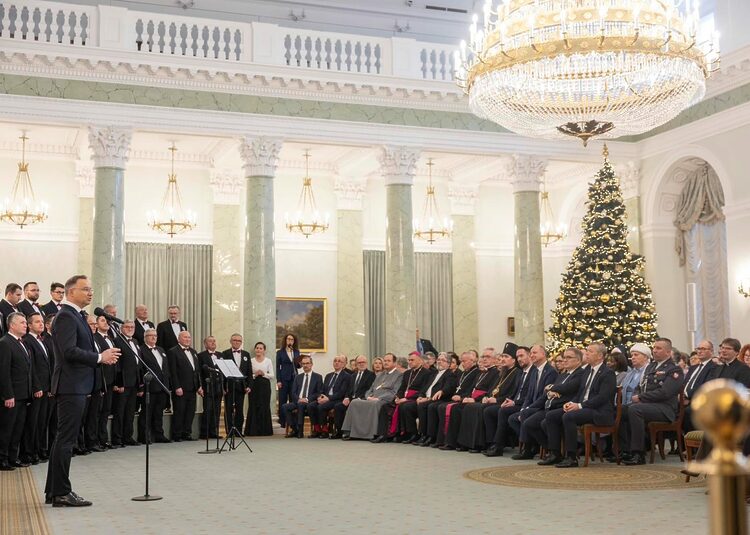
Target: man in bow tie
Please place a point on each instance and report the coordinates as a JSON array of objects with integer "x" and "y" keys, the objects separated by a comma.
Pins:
[
  {"x": 168, "y": 330},
  {"x": 29, "y": 304},
  {"x": 213, "y": 386},
  {"x": 234, "y": 401},
  {"x": 56, "y": 292},
  {"x": 9, "y": 305}
]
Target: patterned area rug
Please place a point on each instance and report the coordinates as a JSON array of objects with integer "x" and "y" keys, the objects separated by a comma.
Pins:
[
  {"x": 21, "y": 507},
  {"x": 595, "y": 477}
]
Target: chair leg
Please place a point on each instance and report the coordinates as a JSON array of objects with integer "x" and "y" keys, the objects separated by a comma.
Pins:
[
  {"x": 586, "y": 446},
  {"x": 653, "y": 445},
  {"x": 616, "y": 445},
  {"x": 680, "y": 444},
  {"x": 660, "y": 438},
  {"x": 689, "y": 452},
  {"x": 599, "y": 451}
]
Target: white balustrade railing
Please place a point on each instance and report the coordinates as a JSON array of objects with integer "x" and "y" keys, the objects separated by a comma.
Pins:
[
  {"x": 49, "y": 22},
  {"x": 116, "y": 28}
]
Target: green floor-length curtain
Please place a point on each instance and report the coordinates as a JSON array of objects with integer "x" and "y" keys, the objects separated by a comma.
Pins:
[
  {"x": 161, "y": 274},
  {"x": 433, "y": 274}
]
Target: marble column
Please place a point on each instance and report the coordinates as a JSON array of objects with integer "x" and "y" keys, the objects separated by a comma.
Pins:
[
  {"x": 526, "y": 174},
  {"x": 226, "y": 282},
  {"x": 86, "y": 180},
  {"x": 109, "y": 146},
  {"x": 260, "y": 156},
  {"x": 398, "y": 166},
  {"x": 629, "y": 184},
  {"x": 350, "y": 285},
  {"x": 465, "y": 307}
]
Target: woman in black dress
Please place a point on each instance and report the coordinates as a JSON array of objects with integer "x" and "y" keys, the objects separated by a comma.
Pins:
[{"x": 259, "y": 410}]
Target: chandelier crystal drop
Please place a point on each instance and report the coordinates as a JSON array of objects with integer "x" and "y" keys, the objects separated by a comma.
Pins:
[
  {"x": 550, "y": 230},
  {"x": 585, "y": 68},
  {"x": 173, "y": 218},
  {"x": 21, "y": 208},
  {"x": 432, "y": 227},
  {"x": 307, "y": 220}
]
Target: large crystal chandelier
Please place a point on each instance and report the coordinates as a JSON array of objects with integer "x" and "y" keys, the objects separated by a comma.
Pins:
[
  {"x": 550, "y": 230},
  {"x": 173, "y": 218},
  {"x": 21, "y": 207},
  {"x": 585, "y": 68},
  {"x": 431, "y": 227},
  {"x": 307, "y": 220}
]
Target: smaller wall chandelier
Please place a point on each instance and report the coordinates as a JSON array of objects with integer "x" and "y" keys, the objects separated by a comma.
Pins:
[
  {"x": 307, "y": 220},
  {"x": 173, "y": 218},
  {"x": 550, "y": 230},
  {"x": 432, "y": 227},
  {"x": 21, "y": 208}
]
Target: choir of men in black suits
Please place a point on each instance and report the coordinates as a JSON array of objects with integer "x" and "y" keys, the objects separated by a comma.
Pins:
[
  {"x": 128, "y": 380},
  {"x": 168, "y": 330},
  {"x": 157, "y": 361},
  {"x": 36, "y": 431},
  {"x": 186, "y": 386},
  {"x": 213, "y": 388},
  {"x": 142, "y": 323}
]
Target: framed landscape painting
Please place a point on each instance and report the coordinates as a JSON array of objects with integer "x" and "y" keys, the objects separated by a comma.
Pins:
[{"x": 306, "y": 318}]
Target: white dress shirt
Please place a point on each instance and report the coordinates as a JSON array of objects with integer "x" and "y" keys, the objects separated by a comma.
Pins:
[{"x": 434, "y": 382}]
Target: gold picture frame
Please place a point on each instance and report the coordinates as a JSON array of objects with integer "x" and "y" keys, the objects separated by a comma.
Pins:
[
  {"x": 511, "y": 325},
  {"x": 306, "y": 318}
]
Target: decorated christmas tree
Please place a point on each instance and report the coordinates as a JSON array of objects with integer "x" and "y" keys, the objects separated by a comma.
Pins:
[{"x": 603, "y": 295}]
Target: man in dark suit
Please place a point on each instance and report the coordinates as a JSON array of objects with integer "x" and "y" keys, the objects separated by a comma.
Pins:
[
  {"x": 168, "y": 330},
  {"x": 213, "y": 388},
  {"x": 335, "y": 386},
  {"x": 157, "y": 360},
  {"x": 696, "y": 376},
  {"x": 35, "y": 447},
  {"x": 287, "y": 364},
  {"x": 307, "y": 386},
  {"x": 563, "y": 390},
  {"x": 186, "y": 384},
  {"x": 361, "y": 379},
  {"x": 142, "y": 323},
  {"x": 103, "y": 339},
  {"x": 57, "y": 292},
  {"x": 9, "y": 305},
  {"x": 425, "y": 346},
  {"x": 17, "y": 383},
  {"x": 29, "y": 304},
  {"x": 72, "y": 380},
  {"x": 655, "y": 400},
  {"x": 594, "y": 403},
  {"x": 126, "y": 388},
  {"x": 52, "y": 407},
  {"x": 234, "y": 401}
]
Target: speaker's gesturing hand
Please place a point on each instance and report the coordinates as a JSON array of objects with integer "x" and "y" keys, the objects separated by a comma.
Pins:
[{"x": 110, "y": 356}]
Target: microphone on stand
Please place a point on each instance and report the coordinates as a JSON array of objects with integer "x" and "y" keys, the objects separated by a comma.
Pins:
[
  {"x": 98, "y": 311},
  {"x": 210, "y": 369}
]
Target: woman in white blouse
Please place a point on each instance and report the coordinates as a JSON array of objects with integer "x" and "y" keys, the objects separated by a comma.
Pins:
[{"x": 259, "y": 410}]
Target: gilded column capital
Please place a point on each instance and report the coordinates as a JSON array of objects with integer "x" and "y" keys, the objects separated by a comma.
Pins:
[
  {"x": 260, "y": 155},
  {"x": 398, "y": 164},
  {"x": 526, "y": 172},
  {"x": 110, "y": 145}
]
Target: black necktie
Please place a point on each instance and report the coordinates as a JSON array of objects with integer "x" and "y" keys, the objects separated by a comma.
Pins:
[
  {"x": 333, "y": 382},
  {"x": 356, "y": 383},
  {"x": 588, "y": 384},
  {"x": 304, "y": 387},
  {"x": 84, "y": 315}
]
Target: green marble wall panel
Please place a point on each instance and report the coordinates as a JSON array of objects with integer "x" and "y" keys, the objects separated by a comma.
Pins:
[
  {"x": 85, "y": 234},
  {"x": 528, "y": 285},
  {"x": 226, "y": 291},
  {"x": 350, "y": 291},
  {"x": 204, "y": 100},
  {"x": 108, "y": 252},
  {"x": 465, "y": 308}
]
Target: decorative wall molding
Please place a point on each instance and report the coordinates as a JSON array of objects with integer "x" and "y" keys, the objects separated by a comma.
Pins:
[
  {"x": 526, "y": 172},
  {"x": 227, "y": 186},
  {"x": 109, "y": 145},
  {"x": 463, "y": 198},
  {"x": 349, "y": 194},
  {"x": 398, "y": 164},
  {"x": 630, "y": 178},
  {"x": 86, "y": 177},
  {"x": 260, "y": 155}
]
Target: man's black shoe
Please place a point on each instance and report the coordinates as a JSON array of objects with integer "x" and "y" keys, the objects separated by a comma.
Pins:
[
  {"x": 636, "y": 459},
  {"x": 20, "y": 464},
  {"x": 493, "y": 451},
  {"x": 69, "y": 500},
  {"x": 567, "y": 463},
  {"x": 335, "y": 436},
  {"x": 550, "y": 460},
  {"x": 5, "y": 467},
  {"x": 379, "y": 439},
  {"x": 97, "y": 449},
  {"x": 524, "y": 455}
]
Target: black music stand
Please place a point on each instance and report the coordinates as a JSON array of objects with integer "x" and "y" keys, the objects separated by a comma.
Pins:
[{"x": 233, "y": 374}]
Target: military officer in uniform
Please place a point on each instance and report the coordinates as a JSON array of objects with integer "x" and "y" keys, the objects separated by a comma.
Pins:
[{"x": 654, "y": 400}]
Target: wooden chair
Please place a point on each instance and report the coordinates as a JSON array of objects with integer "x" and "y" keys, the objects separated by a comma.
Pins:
[
  {"x": 656, "y": 432},
  {"x": 597, "y": 430},
  {"x": 692, "y": 441}
]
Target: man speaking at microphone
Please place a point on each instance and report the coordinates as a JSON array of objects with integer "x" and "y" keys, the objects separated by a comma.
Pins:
[{"x": 73, "y": 379}]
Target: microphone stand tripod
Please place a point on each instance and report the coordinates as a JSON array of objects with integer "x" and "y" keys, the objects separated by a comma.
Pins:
[
  {"x": 209, "y": 393},
  {"x": 147, "y": 378}
]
